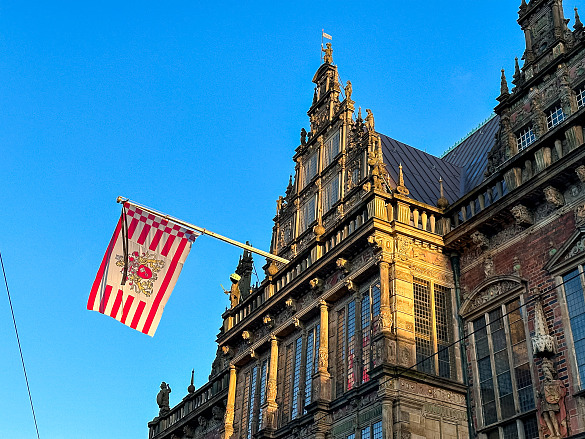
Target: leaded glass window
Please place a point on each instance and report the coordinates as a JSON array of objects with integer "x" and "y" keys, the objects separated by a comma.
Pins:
[
  {"x": 502, "y": 366},
  {"x": 286, "y": 391},
  {"x": 263, "y": 376},
  {"x": 525, "y": 138},
  {"x": 331, "y": 149},
  {"x": 311, "y": 363},
  {"x": 307, "y": 213},
  {"x": 433, "y": 326},
  {"x": 574, "y": 293},
  {"x": 309, "y": 168},
  {"x": 351, "y": 346},
  {"x": 296, "y": 378},
  {"x": 581, "y": 97},
  {"x": 331, "y": 192},
  {"x": 252, "y": 407},
  {"x": 555, "y": 117}
]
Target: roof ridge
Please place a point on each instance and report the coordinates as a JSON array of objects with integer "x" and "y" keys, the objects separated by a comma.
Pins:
[{"x": 468, "y": 135}]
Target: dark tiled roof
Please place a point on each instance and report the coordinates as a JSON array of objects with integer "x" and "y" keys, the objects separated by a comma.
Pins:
[
  {"x": 421, "y": 171},
  {"x": 461, "y": 169},
  {"x": 471, "y": 154}
]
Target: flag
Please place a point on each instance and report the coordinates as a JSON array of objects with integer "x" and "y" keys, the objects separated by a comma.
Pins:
[
  {"x": 324, "y": 35},
  {"x": 140, "y": 269}
]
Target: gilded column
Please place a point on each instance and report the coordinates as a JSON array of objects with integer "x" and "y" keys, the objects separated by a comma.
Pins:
[
  {"x": 322, "y": 379},
  {"x": 230, "y": 405},
  {"x": 271, "y": 406},
  {"x": 324, "y": 338}
]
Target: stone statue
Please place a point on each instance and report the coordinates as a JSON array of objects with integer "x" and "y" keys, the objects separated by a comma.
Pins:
[
  {"x": 234, "y": 291},
  {"x": 488, "y": 266},
  {"x": 369, "y": 120},
  {"x": 551, "y": 397},
  {"x": 162, "y": 399},
  {"x": 348, "y": 91},
  {"x": 328, "y": 57},
  {"x": 303, "y": 136}
]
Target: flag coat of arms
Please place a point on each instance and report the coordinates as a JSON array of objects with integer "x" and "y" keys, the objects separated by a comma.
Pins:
[{"x": 140, "y": 268}]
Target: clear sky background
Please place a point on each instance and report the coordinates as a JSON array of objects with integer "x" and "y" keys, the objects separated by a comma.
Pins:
[{"x": 193, "y": 109}]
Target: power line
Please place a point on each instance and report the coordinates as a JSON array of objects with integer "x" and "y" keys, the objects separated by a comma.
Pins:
[{"x": 19, "y": 347}]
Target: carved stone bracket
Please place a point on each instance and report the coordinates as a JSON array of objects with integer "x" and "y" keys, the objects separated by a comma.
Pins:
[
  {"x": 581, "y": 173},
  {"x": 316, "y": 283},
  {"x": 351, "y": 286},
  {"x": 554, "y": 196},
  {"x": 268, "y": 321},
  {"x": 343, "y": 264},
  {"x": 522, "y": 215},
  {"x": 480, "y": 240},
  {"x": 248, "y": 337}
]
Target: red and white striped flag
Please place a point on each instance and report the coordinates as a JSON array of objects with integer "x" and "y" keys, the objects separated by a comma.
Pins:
[{"x": 156, "y": 252}]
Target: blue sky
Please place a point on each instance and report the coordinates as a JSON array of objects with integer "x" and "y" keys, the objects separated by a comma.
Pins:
[{"x": 193, "y": 109}]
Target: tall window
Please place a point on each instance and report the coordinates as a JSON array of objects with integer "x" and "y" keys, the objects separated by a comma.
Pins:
[
  {"x": 307, "y": 213},
  {"x": 263, "y": 377},
  {"x": 311, "y": 363},
  {"x": 355, "y": 328},
  {"x": 286, "y": 391},
  {"x": 433, "y": 327},
  {"x": 296, "y": 378},
  {"x": 574, "y": 292},
  {"x": 331, "y": 192},
  {"x": 502, "y": 370},
  {"x": 554, "y": 117},
  {"x": 525, "y": 138},
  {"x": 250, "y": 397},
  {"x": 309, "y": 168},
  {"x": 331, "y": 149}
]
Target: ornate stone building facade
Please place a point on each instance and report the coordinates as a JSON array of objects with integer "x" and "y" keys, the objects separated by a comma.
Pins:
[{"x": 396, "y": 255}]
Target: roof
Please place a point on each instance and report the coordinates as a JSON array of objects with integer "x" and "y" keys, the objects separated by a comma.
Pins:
[
  {"x": 461, "y": 169},
  {"x": 471, "y": 154}
]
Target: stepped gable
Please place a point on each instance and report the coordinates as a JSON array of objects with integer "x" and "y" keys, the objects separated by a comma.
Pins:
[
  {"x": 471, "y": 154},
  {"x": 421, "y": 171}
]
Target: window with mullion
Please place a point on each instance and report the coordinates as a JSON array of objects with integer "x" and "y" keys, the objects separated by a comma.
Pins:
[
  {"x": 503, "y": 371},
  {"x": 311, "y": 363},
  {"x": 423, "y": 326},
  {"x": 580, "y": 97},
  {"x": 296, "y": 378},
  {"x": 555, "y": 116},
  {"x": 575, "y": 297}
]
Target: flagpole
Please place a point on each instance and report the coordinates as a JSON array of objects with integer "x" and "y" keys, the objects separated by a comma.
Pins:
[{"x": 204, "y": 231}]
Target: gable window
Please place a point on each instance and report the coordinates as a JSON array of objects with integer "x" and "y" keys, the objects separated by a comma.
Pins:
[
  {"x": 580, "y": 97},
  {"x": 331, "y": 149},
  {"x": 331, "y": 192},
  {"x": 555, "y": 117},
  {"x": 309, "y": 168},
  {"x": 502, "y": 372},
  {"x": 307, "y": 213},
  {"x": 575, "y": 296},
  {"x": 433, "y": 324},
  {"x": 525, "y": 138}
]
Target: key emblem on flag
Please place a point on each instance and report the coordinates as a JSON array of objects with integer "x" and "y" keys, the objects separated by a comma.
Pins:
[{"x": 140, "y": 269}]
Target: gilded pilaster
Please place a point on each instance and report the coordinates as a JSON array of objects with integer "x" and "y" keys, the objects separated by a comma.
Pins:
[
  {"x": 270, "y": 407},
  {"x": 228, "y": 429},
  {"x": 322, "y": 379}
]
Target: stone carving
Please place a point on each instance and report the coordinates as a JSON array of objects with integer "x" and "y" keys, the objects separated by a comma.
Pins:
[
  {"x": 348, "y": 91},
  {"x": 316, "y": 283},
  {"x": 297, "y": 322},
  {"x": 488, "y": 266},
  {"x": 225, "y": 350},
  {"x": 489, "y": 291},
  {"x": 542, "y": 343},
  {"x": 234, "y": 292},
  {"x": 291, "y": 303},
  {"x": 370, "y": 121},
  {"x": 554, "y": 196},
  {"x": 268, "y": 321},
  {"x": 303, "y": 136},
  {"x": 580, "y": 214},
  {"x": 188, "y": 431},
  {"x": 480, "y": 240},
  {"x": 405, "y": 357},
  {"x": 386, "y": 319},
  {"x": 218, "y": 413},
  {"x": 581, "y": 173},
  {"x": 376, "y": 242},
  {"x": 271, "y": 390},
  {"x": 522, "y": 215},
  {"x": 162, "y": 399},
  {"x": 516, "y": 266},
  {"x": 552, "y": 397},
  {"x": 328, "y": 57},
  {"x": 202, "y": 421},
  {"x": 342, "y": 264},
  {"x": 248, "y": 337},
  {"x": 351, "y": 286}
]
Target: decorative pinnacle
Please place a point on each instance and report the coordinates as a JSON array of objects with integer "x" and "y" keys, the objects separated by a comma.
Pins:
[
  {"x": 523, "y": 5},
  {"x": 578, "y": 25},
  {"x": 191, "y": 388},
  {"x": 504, "y": 85},
  {"x": 516, "y": 68},
  {"x": 400, "y": 175},
  {"x": 442, "y": 202}
]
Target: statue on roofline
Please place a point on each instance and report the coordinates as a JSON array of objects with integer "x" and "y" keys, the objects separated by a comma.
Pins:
[
  {"x": 328, "y": 57},
  {"x": 234, "y": 291},
  {"x": 162, "y": 399}
]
